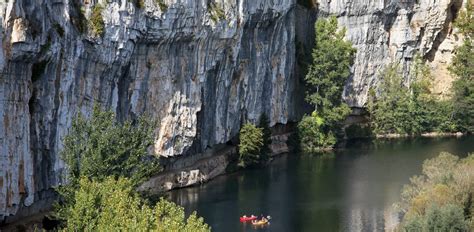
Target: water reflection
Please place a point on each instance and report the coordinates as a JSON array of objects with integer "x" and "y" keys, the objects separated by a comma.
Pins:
[{"x": 351, "y": 190}]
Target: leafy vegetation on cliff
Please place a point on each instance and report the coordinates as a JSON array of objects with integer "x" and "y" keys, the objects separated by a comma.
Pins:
[
  {"x": 441, "y": 199},
  {"x": 96, "y": 22},
  {"x": 113, "y": 205},
  {"x": 402, "y": 108},
  {"x": 333, "y": 57},
  {"x": 463, "y": 67}
]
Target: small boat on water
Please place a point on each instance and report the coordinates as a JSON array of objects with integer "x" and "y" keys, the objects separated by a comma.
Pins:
[
  {"x": 261, "y": 222},
  {"x": 246, "y": 219}
]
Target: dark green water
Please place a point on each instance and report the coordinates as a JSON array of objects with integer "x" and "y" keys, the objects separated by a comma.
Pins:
[{"x": 350, "y": 190}]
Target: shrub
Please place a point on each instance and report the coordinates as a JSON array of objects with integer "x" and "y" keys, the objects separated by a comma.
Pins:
[
  {"x": 312, "y": 137},
  {"x": 250, "y": 146},
  {"x": 216, "y": 12},
  {"x": 96, "y": 22}
]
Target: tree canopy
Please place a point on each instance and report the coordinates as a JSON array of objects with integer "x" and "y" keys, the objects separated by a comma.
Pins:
[
  {"x": 250, "y": 145},
  {"x": 463, "y": 67},
  {"x": 332, "y": 57}
]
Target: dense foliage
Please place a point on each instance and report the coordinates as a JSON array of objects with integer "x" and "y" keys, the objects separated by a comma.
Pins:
[
  {"x": 441, "y": 199},
  {"x": 112, "y": 205},
  {"x": 408, "y": 107},
  {"x": 250, "y": 145},
  {"x": 264, "y": 124},
  {"x": 100, "y": 147},
  {"x": 333, "y": 57},
  {"x": 312, "y": 136},
  {"x": 107, "y": 160},
  {"x": 463, "y": 67}
]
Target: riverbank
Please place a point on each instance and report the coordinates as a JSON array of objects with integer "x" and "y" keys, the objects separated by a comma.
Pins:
[
  {"x": 199, "y": 168},
  {"x": 425, "y": 135}
]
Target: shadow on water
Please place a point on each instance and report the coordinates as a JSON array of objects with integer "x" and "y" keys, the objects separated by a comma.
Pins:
[{"x": 351, "y": 189}]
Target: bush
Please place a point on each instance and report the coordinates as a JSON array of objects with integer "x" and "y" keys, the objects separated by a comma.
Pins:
[
  {"x": 96, "y": 22},
  {"x": 112, "y": 205},
  {"x": 312, "y": 137},
  {"x": 250, "y": 146},
  {"x": 216, "y": 12}
]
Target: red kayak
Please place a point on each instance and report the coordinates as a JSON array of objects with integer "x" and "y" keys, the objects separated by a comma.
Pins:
[{"x": 246, "y": 219}]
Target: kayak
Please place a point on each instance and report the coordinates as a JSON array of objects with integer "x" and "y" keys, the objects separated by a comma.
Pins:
[
  {"x": 260, "y": 222},
  {"x": 246, "y": 219}
]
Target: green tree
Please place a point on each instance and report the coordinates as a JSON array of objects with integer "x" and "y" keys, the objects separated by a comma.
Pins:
[
  {"x": 100, "y": 147},
  {"x": 250, "y": 145},
  {"x": 408, "y": 106},
  {"x": 333, "y": 57},
  {"x": 446, "y": 218},
  {"x": 441, "y": 198},
  {"x": 112, "y": 205},
  {"x": 463, "y": 67},
  {"x": 264, "y": 124}
]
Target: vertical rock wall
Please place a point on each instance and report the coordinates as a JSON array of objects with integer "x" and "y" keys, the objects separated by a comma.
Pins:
[
  {"x": 385, "y": 31},
  {"x": 200, "y": 67}
]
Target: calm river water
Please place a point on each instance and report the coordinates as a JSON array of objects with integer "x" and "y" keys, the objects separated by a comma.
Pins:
[{"x": 349, "y": 190}]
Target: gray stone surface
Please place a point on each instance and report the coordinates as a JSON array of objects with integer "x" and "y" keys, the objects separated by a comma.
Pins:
[
  {"x": 199, "y": 77},
  {"x": 385, "y": 31}
]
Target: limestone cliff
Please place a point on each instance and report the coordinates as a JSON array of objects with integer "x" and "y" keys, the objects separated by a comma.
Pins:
[
  {"x": 385, "y": 31},
  {"x": 199, "y": 67}
]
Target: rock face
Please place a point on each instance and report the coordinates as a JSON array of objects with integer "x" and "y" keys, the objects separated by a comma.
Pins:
[
  {"x": 385, "y": 31},
  {"x": 199, "y": 67}
]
